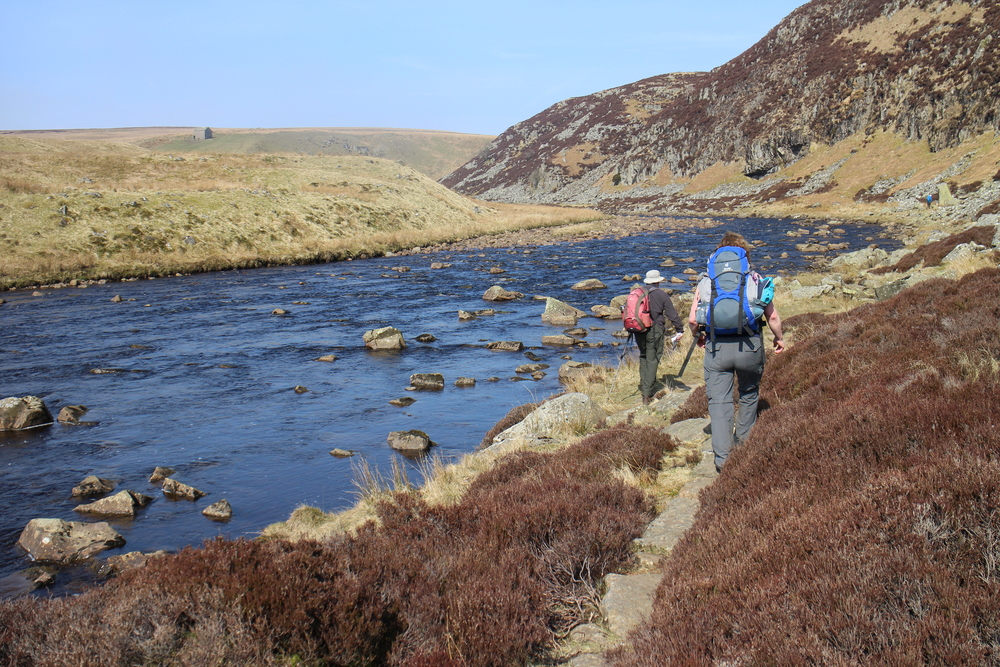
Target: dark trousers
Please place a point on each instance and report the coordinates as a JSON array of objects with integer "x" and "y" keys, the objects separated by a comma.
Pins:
[{"x": 650, "y": 345}]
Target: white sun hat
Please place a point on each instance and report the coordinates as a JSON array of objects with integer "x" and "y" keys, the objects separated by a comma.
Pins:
[{"x": 653, "y": 277}]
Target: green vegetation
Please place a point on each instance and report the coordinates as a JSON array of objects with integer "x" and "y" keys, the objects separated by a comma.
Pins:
[{"x": 84, "y": 210}]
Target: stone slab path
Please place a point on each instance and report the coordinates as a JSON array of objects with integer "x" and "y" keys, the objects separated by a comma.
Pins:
[{"x": 628, "y": 600}]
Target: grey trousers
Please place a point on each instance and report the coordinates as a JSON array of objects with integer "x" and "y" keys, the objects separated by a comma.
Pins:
[
  {"x": 744, "y": 357},
  {"x": 650, "y": 344}
]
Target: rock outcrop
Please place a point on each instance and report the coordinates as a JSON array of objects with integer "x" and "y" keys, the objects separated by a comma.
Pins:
[
  {"x": 571, "y": 411},
  {"x": 412, "y": 441},
  {"x": 561, "y": 313}
]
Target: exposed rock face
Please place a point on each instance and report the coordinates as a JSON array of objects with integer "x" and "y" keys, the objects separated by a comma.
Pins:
[
  {"x": 25, "y": 412},
  {"x": 498, "y": 293},
  {"x": 561, "y": 313},
  {"x": 410, "y": 441},
  {"x": 58, "y": 541},
  {"x": 123, "y": 503},
  {"x": 830, "y": 70},
  {"x": 386, "y": 338}
]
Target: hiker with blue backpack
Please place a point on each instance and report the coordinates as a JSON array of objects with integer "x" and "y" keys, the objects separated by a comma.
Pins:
[{"x": 730, "y": 306}]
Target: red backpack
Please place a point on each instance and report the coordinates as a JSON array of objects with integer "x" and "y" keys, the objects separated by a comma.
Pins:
[{"x": 635, "y": 312}]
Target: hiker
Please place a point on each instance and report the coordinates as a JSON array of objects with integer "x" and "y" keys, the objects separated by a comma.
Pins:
[
  {"x": 651, "y": 341},
  {"x": 930, "y": 199},
  {"x": 728, "y": 353}
]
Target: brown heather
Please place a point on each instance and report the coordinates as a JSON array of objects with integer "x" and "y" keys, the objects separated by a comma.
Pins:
[
  {"x": 860, "y": 523},
  {"x": 931, "y": 254},
  {"x": 490, "y": 580}
]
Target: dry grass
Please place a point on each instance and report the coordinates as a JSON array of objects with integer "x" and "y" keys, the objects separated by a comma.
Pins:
[{"x": 76, "y": 210}]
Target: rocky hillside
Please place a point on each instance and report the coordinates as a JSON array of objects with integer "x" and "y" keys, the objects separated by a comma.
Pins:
[{"x": 834, "y": 73}]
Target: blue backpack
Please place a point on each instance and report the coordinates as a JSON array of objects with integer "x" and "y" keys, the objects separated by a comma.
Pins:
[{"x": 732, "y": 298}]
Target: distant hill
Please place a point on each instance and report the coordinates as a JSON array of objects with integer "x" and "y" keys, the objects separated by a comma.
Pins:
[
  {"x": 431, "y": 152},
  {"x": 844, "y": 102}
]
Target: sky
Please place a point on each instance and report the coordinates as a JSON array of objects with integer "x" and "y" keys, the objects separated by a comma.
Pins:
[{"x": 477, "y": 66}]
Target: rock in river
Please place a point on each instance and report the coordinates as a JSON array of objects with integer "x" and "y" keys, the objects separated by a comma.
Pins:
[
  {"x": 123, "y": 503},
  {"x": 410, "y": 441},
  {"x": 25, "y": 412},
  {"x": 498, "y": 293},
  {"x": 589, "y": 284},
  {"x": 177, "y": 491},
  {"x": 386, "y": 338},
  {"x": 220, "y": 511},
  {"x": 91, "y": 486},
  {"x": 58, "y": 541},
  {"x": 70, "y": 414},
  {"x": 561, "y": 313},
  {"x": 506, "y": 345},
  {"x": 432, "y": 381}
]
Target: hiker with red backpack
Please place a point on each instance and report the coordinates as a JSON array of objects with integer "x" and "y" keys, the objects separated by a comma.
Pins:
[
  {"x": 645, "y": 315},
  {"x": 730, "y": 306}
]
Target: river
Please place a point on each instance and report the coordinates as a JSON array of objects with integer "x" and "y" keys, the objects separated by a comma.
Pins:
[{"x": 205, "y": 374}]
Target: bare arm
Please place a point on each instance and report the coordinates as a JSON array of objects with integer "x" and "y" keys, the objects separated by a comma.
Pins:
[{"x": 774, "y": 324}]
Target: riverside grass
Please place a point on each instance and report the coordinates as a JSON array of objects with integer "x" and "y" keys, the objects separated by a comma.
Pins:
[{"x": 87, "y": 211}]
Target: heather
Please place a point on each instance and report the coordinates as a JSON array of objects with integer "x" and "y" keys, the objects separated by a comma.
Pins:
[
  {"x": 858, "y": 525},
  {"x": 931, "y": 254},
  {"x": 492, "y": 579}
]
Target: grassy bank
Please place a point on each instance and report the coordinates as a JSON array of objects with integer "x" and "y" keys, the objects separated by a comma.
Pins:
[{"x": 86, "y": 211}]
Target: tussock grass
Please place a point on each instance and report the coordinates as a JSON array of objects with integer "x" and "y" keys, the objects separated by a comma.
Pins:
[{"x": 74, "y": 210}]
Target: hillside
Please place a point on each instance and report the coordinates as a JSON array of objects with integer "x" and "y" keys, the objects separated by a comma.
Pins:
[
  {"x": 74, "y": 209},
  {"x": 857, "y": 105},
  {"x": 430, "y": 152}
]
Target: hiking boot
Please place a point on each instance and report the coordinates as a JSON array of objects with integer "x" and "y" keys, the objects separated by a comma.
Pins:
[{"x": 646, "y": 400}]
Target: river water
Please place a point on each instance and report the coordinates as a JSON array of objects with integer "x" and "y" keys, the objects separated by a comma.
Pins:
[{"x": 205, "y": 374}]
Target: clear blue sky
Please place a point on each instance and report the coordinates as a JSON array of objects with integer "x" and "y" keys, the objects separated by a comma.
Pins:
[{"x": 472, "y": 66}]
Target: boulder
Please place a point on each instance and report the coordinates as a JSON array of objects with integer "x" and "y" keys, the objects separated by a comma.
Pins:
[
  {"x": 530, "y": 368},
  {"x": 175, "y": 490},
  {"x": 561, "y": 313},
  {"x": 440, "y": 265},
  {"x": 532, "y": 356},
  {"x": 506, "y": 345},
  {"x": 160, "y": 474},
  {"x": 410, "y": 441},
  {"x": 341, "y": 453},
  {"x": 866, "y": 258},
  {"x": 300, "y": 389},
  {"x": 497, "y": 293},
  {"x": 578, "y": 332},
  {"x": 279, "y": 311},
  {"x": 589, "y": 284},
  {"x": 70, "y": 414},
  {"x": 619, "y": 302},
  {"x": 465, "y": 316},
  {"x": 575, "y": 410},
  {"x": 573, "y": 369},
  {"x": 465, "y": 382},
  {"x": 91, "y": 486},
  {"x": 605, "y": 312},
  {"x": 496, "y": 269},
  {"x": 559, "y": 340},
  {"x": 327, "y": 358},
  {"x": 483, "y": 312},
  {"x": 433, "y": 381},
  {"x": 890, "y": 290},
  {"x": 402, "y": 402},
  {"x": 25, "y": 412},
  {"x": 538, "y": 375},
  {"x": 123, "y": 503},
  {"x": 425, "y": 338},
  {"x": 58, "y": 541},
  {"x": 220, "y": 511},
  {"x": 386, "y": 338},
  {"x": 964, "y": 251}
]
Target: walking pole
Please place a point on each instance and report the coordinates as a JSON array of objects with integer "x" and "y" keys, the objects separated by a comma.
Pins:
[{"x": 688, "y": 357}]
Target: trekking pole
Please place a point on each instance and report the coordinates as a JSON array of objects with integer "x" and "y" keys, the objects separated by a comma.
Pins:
[{"x": 688, "y": 357}]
